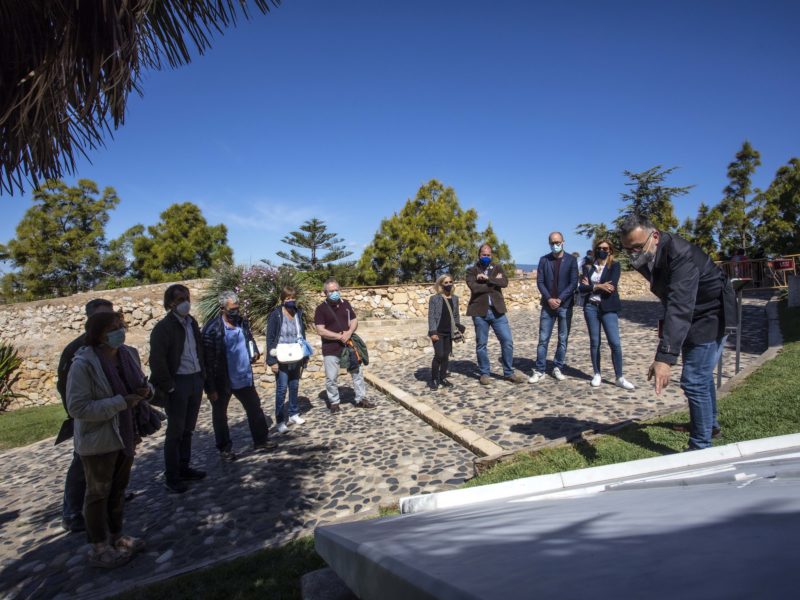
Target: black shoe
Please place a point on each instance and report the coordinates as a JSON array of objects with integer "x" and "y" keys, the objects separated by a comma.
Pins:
[
  {"x": 190, "y": 474},
  {"x": 366, "y": 404},
  {"x": 445, "y": 382},
  {"x": 433, "y": 384},
  {"x": 265, "y": 447},
  {"x": 74, "y": 524},
  {"x": 335, "y": 408},
  {"x": 176, "y": 487},
  {"x": 716, "y": 432}
]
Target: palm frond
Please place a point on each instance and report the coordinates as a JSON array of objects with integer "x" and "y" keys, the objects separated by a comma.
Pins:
[{"x": 67, "y": 67}]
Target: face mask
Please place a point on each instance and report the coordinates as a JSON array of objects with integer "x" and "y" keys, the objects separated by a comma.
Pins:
[
  {"x": 640, "y": 259},
  {"x": 183, "y": 308},
  {"x": 116, "y": 338},
  {"x": 290, "y": 305},
  {"x": 448, "y": 288},
  {"x": 602, "y": 254},
  {"x": 334, "y": 296},
  {"x": 233, "y": 313},
  {"x": 556, "y": 248},
  {"x": 485, "y": 260}
]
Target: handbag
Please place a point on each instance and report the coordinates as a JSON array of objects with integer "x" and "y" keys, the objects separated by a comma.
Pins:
[
  {"x": 457, "y": 329},
  {"x": 295, "y": 351}
]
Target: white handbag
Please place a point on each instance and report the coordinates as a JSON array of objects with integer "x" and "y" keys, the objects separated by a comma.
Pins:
[{"x": 288, "y": 353}]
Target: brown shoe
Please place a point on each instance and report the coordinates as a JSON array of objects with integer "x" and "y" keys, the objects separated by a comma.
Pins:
[
  {"x": 335, "y": 408},
  {"x": 517, "y": 377},
  {"x": 365, "y": 403},
  {"x": 486, "y": 380}
]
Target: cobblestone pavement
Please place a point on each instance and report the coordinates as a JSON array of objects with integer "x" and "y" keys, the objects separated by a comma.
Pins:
[
  {"x": 328, "y": 469},
  {"x": 525, "y": 415}
]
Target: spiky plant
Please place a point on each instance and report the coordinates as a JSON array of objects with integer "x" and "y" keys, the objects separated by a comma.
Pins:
[
  {"x": 259, "y": 290},
  {"x": 9, "y": 365}
]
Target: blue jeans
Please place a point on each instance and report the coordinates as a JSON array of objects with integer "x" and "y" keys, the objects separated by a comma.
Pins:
[
  {"x": 499, "y": 323},
  {"x": 288, "y": 378},
  {"x": 697, "y": 382},
  {"x": 546, "y": 321},
  {"x": 595, "y": 318}
]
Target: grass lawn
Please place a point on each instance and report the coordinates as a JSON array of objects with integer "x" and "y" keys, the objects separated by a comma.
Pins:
[
  {"x": 766, "y": 404},
  {"x": 27, "y": 425}
]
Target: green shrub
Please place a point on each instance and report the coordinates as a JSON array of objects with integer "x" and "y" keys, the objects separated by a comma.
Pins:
[{"x": 9, "y": 365}]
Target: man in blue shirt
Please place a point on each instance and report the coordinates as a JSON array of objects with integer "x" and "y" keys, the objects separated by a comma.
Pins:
[
  {"x": 556, "y": 278},
  {"x": 228, "y": 350}
]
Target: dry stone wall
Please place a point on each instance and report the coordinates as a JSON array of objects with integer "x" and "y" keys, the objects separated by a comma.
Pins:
[{"x": 394, "y": 324}]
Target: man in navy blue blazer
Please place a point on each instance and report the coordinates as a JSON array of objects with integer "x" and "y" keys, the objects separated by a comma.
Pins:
[{"x": 556, "y": 278}]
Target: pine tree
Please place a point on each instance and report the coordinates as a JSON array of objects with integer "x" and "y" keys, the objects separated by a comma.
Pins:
[
  {"x": 779, "y": 230},
  {"x": 60, "y": 241},
  {"x": 314, "y": 237},
  {"x": 737, "y": 209},
  {"x": 651, "y": 199}
]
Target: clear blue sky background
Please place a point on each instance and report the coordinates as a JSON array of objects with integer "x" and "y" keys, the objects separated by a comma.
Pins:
[{"x": 530, "y": 110}]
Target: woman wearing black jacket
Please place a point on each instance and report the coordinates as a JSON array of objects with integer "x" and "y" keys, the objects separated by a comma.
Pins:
[
  {"x": 599, "y": 286},
  {"x": 443, "y": 325}
]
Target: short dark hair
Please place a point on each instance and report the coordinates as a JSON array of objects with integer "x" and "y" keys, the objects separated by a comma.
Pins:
[
  {"x": 485, "y": 245},
  {"x": 634, "y": 221},
  {"x": 288, "y": 292},
  {"x": 98, "y": 324},
  {"x": 92, "y": 305},
  {"x": 169, "y": 293}
]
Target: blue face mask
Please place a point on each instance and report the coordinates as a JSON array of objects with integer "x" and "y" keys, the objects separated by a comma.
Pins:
[
  {"x": 115, "y": 339},
  {"x": 290, "y": 304},
  {"x": 556, "y": 248},
  {"x": 485, "y": 260},
  {"x": 335, "y": 296}
]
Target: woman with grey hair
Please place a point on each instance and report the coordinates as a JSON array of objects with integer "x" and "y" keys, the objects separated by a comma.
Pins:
[{"x": 444, "y": 325}]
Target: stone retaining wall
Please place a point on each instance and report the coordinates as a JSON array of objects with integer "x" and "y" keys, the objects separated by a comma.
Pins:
[{"x": 41, "y": 329}]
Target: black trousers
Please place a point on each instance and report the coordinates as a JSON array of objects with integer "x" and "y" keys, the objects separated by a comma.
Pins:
[
  {"x": 248, "y": 396},
  {"x": 442, "y": 348},
  {"x": 182, "y": 408}
]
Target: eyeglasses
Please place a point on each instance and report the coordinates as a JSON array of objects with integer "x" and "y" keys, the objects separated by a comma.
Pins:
[{"x": 639, "y": 247}]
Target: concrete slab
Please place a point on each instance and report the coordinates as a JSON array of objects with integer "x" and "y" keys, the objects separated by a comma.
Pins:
[{"x": 723, "y": 531}]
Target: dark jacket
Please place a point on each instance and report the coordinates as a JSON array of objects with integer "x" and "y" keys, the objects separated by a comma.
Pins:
[
  {"x": 274, "y": 332},
  {"x": 478, "y": 305},
  {"x": 64, "y": 365},
  {"x": 435, "y": 309},
  {"x": 698, "y": 299},
  {"x": 215, "y": 359},
  {"x": 166, "y": 347},
  {"x": 567, "y": 278},
  {"x": 608, "y": 302}
]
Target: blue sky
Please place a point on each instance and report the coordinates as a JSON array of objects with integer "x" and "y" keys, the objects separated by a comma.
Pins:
[{"x": 530, "y": 110}]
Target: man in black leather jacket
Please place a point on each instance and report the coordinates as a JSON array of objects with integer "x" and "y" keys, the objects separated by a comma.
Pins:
[{"x": 699, "y": 304}]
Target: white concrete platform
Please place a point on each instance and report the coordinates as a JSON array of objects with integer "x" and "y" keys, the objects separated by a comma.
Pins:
[{"x": 726, "y": 527}]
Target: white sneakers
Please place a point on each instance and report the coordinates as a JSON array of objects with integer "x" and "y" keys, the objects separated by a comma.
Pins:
[
  {"x": 296, "y": 420},
  {"x": 558, "y": 374},
  {"x": 282, "y": 428},
  {"x": 597, "y": 380},
  {"x": 625, "y": 384},
  {"x": 535, "y": 377}
]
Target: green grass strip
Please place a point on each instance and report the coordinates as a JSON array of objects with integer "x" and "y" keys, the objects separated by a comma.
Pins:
[{"x": 28, "y": 425}]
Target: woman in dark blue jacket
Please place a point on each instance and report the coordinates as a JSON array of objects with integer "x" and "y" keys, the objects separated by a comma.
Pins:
[
  {"x": 599, "y": 286},
  {"x": 284, "y": 326}
]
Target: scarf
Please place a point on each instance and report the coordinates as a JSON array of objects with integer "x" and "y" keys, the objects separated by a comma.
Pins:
[{"x": 125, "y": 378}]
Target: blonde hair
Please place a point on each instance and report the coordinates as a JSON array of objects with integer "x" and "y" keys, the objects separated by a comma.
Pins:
[
  {"x": 610, "y": 257},
  {"x": 438, "y": 285}
]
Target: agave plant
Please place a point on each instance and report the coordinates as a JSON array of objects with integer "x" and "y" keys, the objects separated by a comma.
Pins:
[
  {"x": 9, "y": 364},
  {"x": 259, "y": 290}
]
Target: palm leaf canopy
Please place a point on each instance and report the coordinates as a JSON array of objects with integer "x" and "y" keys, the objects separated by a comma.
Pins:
[{"x": 67, "y": 67}]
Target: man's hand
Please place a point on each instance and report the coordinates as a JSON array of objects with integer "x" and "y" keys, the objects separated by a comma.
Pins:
[
  {"x": 213, "y": 396},
  {"x": 275, "y": 368},
  {"x": 554, "y": 303},
  {"x": 132, "y": 400},
  {"x": 661, "y": 372},
  {"x": 434, "y": 338},
  {"x": 481, "y": 277},
  {"x": 345, "y": 337}
]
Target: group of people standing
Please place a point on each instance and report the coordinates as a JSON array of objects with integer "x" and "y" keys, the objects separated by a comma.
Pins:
[
  {"x": 560, "y": 285},
  {"x": 697, "y": 298},
  {"x": 111, "y": 403}
]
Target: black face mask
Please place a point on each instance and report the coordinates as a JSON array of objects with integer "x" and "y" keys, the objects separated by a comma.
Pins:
[
  {"x": 291, "y": 305},
  {"x": 448, "y": 288},
  {"x": 601, "y": 254},
  {"x": 233, "y": 314}
]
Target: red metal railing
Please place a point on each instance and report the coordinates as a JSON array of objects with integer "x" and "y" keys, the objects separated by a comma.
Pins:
[{"x": 765, "y": 273}]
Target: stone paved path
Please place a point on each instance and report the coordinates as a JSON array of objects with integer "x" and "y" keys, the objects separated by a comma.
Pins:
[
  {"x": 325, "y": 470},
  {"x": 328, "y": 469},
  {"x": 524, "y": 416}
]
